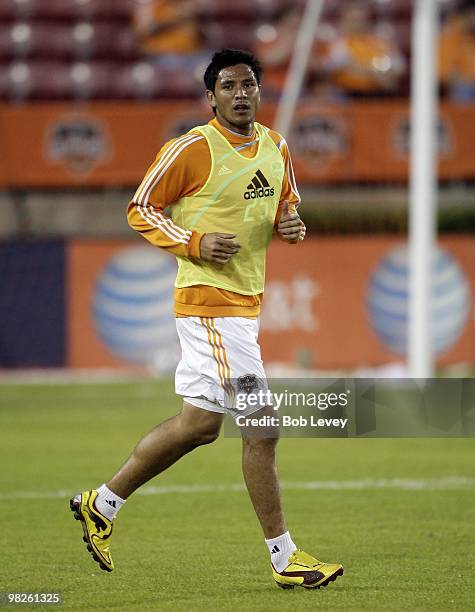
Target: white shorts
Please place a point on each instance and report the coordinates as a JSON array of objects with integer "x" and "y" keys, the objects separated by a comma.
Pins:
[{"x": 220, "y": 364}]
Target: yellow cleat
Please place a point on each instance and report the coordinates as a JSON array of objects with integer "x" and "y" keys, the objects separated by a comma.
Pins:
[
  {"x": 97, "y": 528},
  {"x": 306, "y": 571}
]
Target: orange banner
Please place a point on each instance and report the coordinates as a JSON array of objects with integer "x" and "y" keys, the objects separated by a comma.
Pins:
[
  {"x": 342, "y": 304},
  {"x": 381, "y": 141},
  {"x": 112, "y": 144}
]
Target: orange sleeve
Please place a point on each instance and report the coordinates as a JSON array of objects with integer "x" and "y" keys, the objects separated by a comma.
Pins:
[
  {"x": 289, "y": 186},
  {"x": 180, "y": 169}
]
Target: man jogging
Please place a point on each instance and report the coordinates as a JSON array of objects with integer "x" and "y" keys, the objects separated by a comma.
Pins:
[{"x": 227, "y": 186}]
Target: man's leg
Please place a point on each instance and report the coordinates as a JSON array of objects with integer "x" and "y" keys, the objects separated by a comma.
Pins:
[
  {"x": 159, "y": 449},
  {"x": 164, "y": 445},
  {"x": 290, "y": 567},
  {"x": 260, "y": 474}
]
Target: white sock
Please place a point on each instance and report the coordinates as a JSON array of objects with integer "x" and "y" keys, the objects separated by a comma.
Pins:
[
  {"x": 107, "y": 502},
  {"x": 280, "y": 549}
]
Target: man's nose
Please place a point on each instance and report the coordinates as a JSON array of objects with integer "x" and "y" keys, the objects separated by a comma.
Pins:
[{"x": 241, "y": 92}]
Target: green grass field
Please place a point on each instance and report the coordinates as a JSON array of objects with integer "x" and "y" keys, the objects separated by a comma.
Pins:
[{"x": 201, "y": 548}]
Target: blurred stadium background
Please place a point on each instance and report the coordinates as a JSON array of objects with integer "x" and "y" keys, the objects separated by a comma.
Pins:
[{"x": 90, "y": 89}]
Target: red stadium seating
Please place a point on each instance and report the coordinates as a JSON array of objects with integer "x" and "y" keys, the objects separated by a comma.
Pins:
[
  {"x": 91, "y": 80},
  {"x": 30, "y": 39},
  {"x": 230, "y": 34},
  {"x": 60, "y": 33},
  {"x": 45, "y": 39},
  {"x": 65, "y": 9},
  {"x": 38, "y": 80},
  {"x": 91, "y": 39},
  {"x": 137, "y": 80},
  {"x": 124, "y": 44},
  {"x": 244, "y": 9},
  {"x": 144, "y": 80}
]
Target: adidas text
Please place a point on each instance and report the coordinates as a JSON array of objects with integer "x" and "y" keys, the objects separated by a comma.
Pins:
[{"x": 259, "y": 193}]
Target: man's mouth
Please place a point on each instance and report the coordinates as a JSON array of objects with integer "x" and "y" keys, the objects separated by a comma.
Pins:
[{"x": 241, "y": 107}]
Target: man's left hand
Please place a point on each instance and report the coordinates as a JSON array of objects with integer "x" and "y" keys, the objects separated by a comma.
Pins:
[{"x": 291, "y": 227}]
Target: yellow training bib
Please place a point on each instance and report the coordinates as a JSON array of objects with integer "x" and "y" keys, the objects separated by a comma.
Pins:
[{"x": 240, "y": 197}]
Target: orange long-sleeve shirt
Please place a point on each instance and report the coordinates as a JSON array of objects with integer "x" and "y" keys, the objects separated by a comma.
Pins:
[{"x": 181, "y": 169}]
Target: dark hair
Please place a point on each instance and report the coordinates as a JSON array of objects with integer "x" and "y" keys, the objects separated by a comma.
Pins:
[{"x": 230, "y": 57}]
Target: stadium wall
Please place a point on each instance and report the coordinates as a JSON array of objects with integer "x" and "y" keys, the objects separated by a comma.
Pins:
[{"x": 111, "y": 144}]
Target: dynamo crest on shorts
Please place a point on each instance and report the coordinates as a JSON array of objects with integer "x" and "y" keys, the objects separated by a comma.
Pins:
[{"x": 247, "y": 383}]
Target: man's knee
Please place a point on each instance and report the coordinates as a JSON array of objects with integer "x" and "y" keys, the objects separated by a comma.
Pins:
[
  {"x": 204, "y": 435},
  {"x": 200, "y": 427}
]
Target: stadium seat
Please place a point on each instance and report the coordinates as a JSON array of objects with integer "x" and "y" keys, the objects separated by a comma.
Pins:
[
  {"x": 4, "y": 82},
  {"x": 244, "y": 10},
  {"x": 88, "y": 80},
  {"x": 5, "y": 45},
  {"x": 93, "y": 47},
  {"x": 26, "y": 9},
  {"x": 143, "y": 80},
  {"x": 120, "y": 10},
  {"x": 83, "y": 40},
  {"x": 136, "y": 81},
  {"x": 392, "y": 8},
  {"x": 230, "y": 34},
  {"x": 104, "y": 40},
  {"x": 20, "y": 38},
  {"x": 330, "y": 9},
  {"x": 124, "y": 44},
  {"x": 178, "y": 84},
  {"x": 37, "y": 80},
  {"x": 31, "y": 39},
  {"x": 93, "y": 39},
  {"x": 66, "y": 9},
  {"x": 54, "y": 80},
  {"x": 7, "y": 12}
]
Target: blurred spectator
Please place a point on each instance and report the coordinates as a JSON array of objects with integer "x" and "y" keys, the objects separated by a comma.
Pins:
[
  {"x": 359, "y": 60},
  {"x": 168, "y": 31},
  {"x": 352, "y": 59},
  {"x": 275, "y": 45},
  {"x": 457, "y": 53}
]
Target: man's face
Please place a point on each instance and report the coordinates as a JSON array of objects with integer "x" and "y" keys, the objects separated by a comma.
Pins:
[{"x": 236, "y": 97}]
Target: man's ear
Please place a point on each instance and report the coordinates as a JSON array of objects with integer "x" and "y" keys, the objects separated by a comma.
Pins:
[{"x": 211, "y": 98}]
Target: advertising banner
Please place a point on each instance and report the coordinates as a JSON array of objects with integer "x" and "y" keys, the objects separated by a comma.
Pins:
[
  {"x": 341, "y": 304},
  {"x": 112, "y": 144}
]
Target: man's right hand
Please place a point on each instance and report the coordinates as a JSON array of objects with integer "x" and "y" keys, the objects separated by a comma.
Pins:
[{"x": 218, "y": 248}]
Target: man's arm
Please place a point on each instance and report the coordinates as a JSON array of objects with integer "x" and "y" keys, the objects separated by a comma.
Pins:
[
  {"x": 174, "y": 174},
  {"x": 291, "y": 228},
  {"x": 180, "y": 169},
  {"x": 287, "y": 223}
]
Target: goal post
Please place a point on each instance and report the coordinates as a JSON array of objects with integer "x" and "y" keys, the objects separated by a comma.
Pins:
[{"x": 422, "y": 185}]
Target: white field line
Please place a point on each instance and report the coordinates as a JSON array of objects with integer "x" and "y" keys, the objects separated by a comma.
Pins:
[
  {"x": 65, "y": 376},
  {"x": 408, "y": 484}
]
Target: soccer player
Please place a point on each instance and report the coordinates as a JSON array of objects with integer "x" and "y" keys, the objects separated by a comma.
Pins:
[{"x": 228, "y": 186}]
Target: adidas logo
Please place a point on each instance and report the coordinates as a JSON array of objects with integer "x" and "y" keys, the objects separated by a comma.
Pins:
[
  {"x": 258, "y": 188},
  {"x": 224, "y": 170},
  {"x": 276, "y": 549},
  {"x": 112, "y": 502}
]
